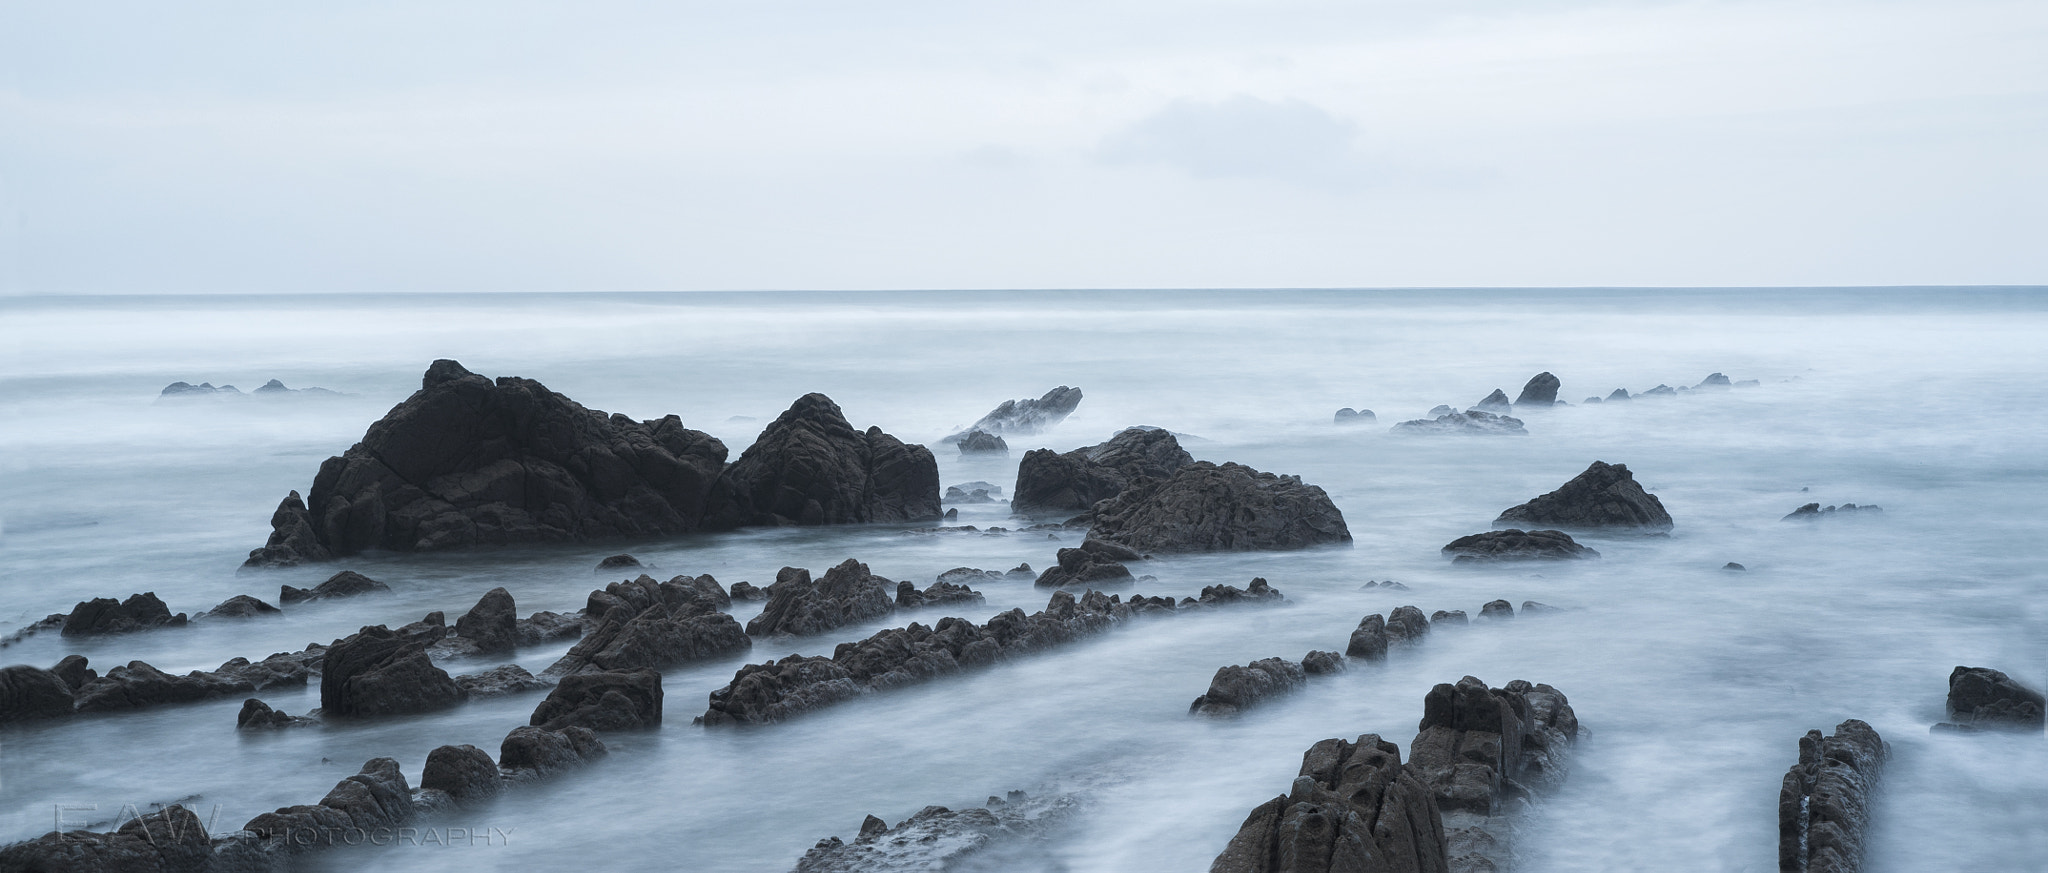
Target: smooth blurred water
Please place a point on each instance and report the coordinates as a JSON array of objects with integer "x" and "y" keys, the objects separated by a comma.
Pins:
[{"x": 1695, "y": 682}]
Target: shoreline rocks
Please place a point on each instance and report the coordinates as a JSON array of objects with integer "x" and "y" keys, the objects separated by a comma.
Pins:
[
  {"x": 1075, "y": 481},
  {"x": 644, "y": 625},
  {"x": 1516, "y": 545},
  {"x": 1352, "y": 807},
  {"x": 1205, "y": 507},
  {"x": 1235, "y": 689},
  {"x": 347, "y": 583},
  {"x": 1094, "y": 563},
  {"x": 1605, "y": 497},
  {"x": 1824, "y": 803},
  {"x": 810, "y": 467},
  {"x": 846, "y": 594},
  {"x": 1540, "y": 391},
  {"x": 1025, "y": 417},
  {"x": 981, "y": 442},
  {"x": 1472, "y": 422},
  {"x": 105, "y": 615},
  {"x": 1007, "y": 833},
  {"x": 377, "y": 671}
]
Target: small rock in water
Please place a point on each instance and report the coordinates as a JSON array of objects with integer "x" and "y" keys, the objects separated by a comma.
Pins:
[
  {"x": 1496, "y": 403},
  {"x": 980, "y": 442},
  {"x": 1516, "y": 545},
  {"x": 1540, "y": 392},
  {"x": 1731, "y": 565},
  {"x": 1981, "y": 697},
  {"x": 618, "y": 562},
  {"x": 1619, "y": 394},
  {"x": 1347, "y": 415},
  {"x": 1816, "y": 512}
]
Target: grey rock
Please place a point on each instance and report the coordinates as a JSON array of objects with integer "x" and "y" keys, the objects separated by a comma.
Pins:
[
  {"x": 1095, "y": 563},
  {"x": 1452, "y": 618},
  {"x": 1019, "y": 417},
  {"x": 1714, "y": 381},
  {"x": 347, "y": 583},
  {"x": 257, "y": 715},
  {"x": 1369, "y": 640},
  {"x": 1983, "y": 697},
  {"x": 138, "y": 685},
  {"x": 1258, "y": 591},
  {"x": 602, "y": 702},
  {"x": 1205, "y": 507},
  {"x": 618, "y": 562},
  {"x": 810, "y": 467},
  {"x": 954, "y": 494},
  {"x": 172, "y": 840},
  {"x": 1320, "y": 663},
  {"x": 1604, "y": 497},
  {"x": 492, "y": 624},
  {"x": 1011, "y": 834},
  {"x": 498, "y": 682},
  {"x": 940, "y": 593},
  {"x": 659, "y": 627},
  {"x": 547, "y": 627},
  {"x": 1353, "y": 809},
  {"x": 1516, "y": 545},
  {"x": 1731, "y": 565},
  {"x": 1816, "y": 512},
  {"x": 1496, "y": 610},
  {"x": 846, "y": 594},
  {"x": 1474, "y": 422},
  {"x": 1237, "y": 688},
  {"x": 1660, "y": 391},
  {"x": 749, "y": 592},
  {"x": 75, "y": 671},
  {"x": 1496, "y": 403},
  {"x": 105, "y": 615},
  {"x": 465, "y": 772},
  {"x": 1617, "y": 395},
  {"x": 980, "y": 442},
  {"x": 1540, "y": 391},
  {"x": 540, "y": 751},
  {"x": 241, "y": 606},
  {"x": 1406, "y": 624},
  {"x": 1483, "y": 753},
  {"x": 1825, "y": 801},
  {"x": 30, "y": 693},
  {"x": 376, "y": 797},
  {"x": 1347, "y": 415},
  {"x": 1075, "y": 481},
  {"x": 377, "y": 671}
]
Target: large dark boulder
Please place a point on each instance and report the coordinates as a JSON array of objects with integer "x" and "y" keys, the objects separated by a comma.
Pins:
[
  {"x": 376, "y": 798},
  {"x": 1096, "y": 563},
  {"x": 257, "y": 715},
  {"x": 492, "y": 624},
  {"x": 1541, "y": 391},
  {"x": 810, "y": 467},
  {"x": 538, "y": 751},
  {"x": 1605, "y": 496},
  {"x": 1074, "y": 481},
  {"x": 347, "y": 583},
  {"x": 1473, "y": 422},
  {"x": 28, "y": 693},
  {"x": 173, "y": 840},
  {"x": 467, "y": 461},
  {"x": 105, "y": 615},
  {"x": 377, "y": 671},
  {"x": 1516, "y": 545},
  {"x": 498, "y": 681},
  {"x": 1353, "y": 809},
  {"x": 845, "y": 594},
  {"x": 940, "y": 593},
  {"x": 465, "y": 772},
  {"x": 1983, "y": 697},
  {"x": 75, "y": 671},
  {"x": 652, "y": 638},
  {"x": 241, "y": 606},
  {"x": 1484, "y": 754},
  {"x": 1237, "y": 688},
  {"x": 1024, "y": 417},
  {"x": 602, "y": 702},
  {"x": 1205, "y": 507},
  {"x": 1825, "y": 801}
]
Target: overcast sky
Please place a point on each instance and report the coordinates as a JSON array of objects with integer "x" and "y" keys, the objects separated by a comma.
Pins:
[{"x": 423, "y": 146}]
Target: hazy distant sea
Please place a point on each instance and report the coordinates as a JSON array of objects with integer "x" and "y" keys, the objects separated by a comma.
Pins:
[{"x": 1695, "y": 682}]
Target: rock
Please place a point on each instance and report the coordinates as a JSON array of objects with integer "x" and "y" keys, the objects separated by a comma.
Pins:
[
  {"x": 846, "y": 594},
  {"x": 465, "y": 772},
  {"x": 184, "y": 390},
  {"x": 74, "y": 671},
  {"x": 602, "y": 702},
  {"x": 1471, "y": 422},
  {"x": 810, "y": 467},
  {"x": 1453, "y": 618},
  {"x": 547, "y": 627},
  {"x": 1021, "y": 571},
  {"x": 1257, "y": 592},
  {"x": 492, "y": 624},
  {"x": 137, "y": 684},
  {"x": 1005, "y": 835},
  {"x": 1619, "y": 394},
  {"x": 376, "y": 671},
  {"x": 980, "y": 442},
  {"x": 1495, "y": 610},
  {"x": 347, "y": 583},
  {"x": 465, "y": 461},
  {"x": 1604, "y": 497},
  {"x": 172, "y": 840},
  {"x": 1516, "y": 545},
  {"x": 1731, "y": 565},
  {"x": 629, "y": 637},
  {"x": 940, "y": 593},
  {"x": 1235, "y": 689},
  {"x": 1204, "y": 507},
  {"x": 1824, "y": 803},
  {"x": 617, "y": 562},
  {"x": 1660, "y": 391},
  {"x": 257, "y": 715},
  {"x": 1496, "y": 403},
  {"x": 748, "y": 592},
  {"x": 955, "y": 495},
  {"x": 241, "y": 606},
  {"x": 1482, "y": 753},
  {"x": 1321, "y": 663},
  {"x": 1353, "y": 809},
  {"x": 1018, "y": 417},
  {"x": 377, "y": 797},
  {"x": 1540, "y": 392},
  {"x": 275, "y": 388},
  {"x": 105, "y": 615},
  {"x": 1815, "y": 512},
  {"x": 1591, "y": 400},
  {"x": 970, "y": 575},
  {"x": 1406, "y": 624},
  {"x": 1714, "y": 381},
  {"x": 1983, "y": 697},
  {"x": 1531, "y": 607},
  {"x": 29, "y": 693},
  {"x": 1347, "y": 415},
  {"x": 498, "y": 682},
  {"x": 1440, "y": 410},
  {"x": 1389, "y": 585},
  {"x": 1075, "y": 481},
  {"x": 951, "y": 515},
  {"x": 1095, "y": 563},
  {"x": 1369, "y": 640},
  {"x": 540, "y": 751}
]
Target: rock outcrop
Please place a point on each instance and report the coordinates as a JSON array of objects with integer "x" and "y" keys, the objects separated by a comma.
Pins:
[
  {"x": 615, "y": 563},
  {"x": 1205, "y": 507},
  {"x": 1023, "y": 417},
  {"x": 1353, "y": 809},
  {"x": 465, "y": 773},
  {"x": 644, "y": 625},
  {"x": 257, "y": 715},
  {"x": 1347, "y": 415},
  {"x": 377, "y": 671},
  {"x": 1516, "y": 545},
  {"x": 1238, "y": 688},
  {"x": 810, "y": 467},
  {"x": 1008, "y": 834},
  {"x": 1980, "y": 697},
  {"x": 940, "y": 593},
  {"x": 1816, "y": 512},
  {"x": 467, "y": 461},
  {"x": 347, "y": 583},
  {"x": 1075, "y": 481},
  {"x": 602, "y": 702},
  {"x": 1604, "y": 497},
  {"x": 1495, "y": 403},
  {"x": 1095, "y": 563},
  {"x": 137, "y": 684},
  {"x": 105, "y": 615},
  {"x": 981, "y": 442},
  {"x": 30, "y": 693},
  {"x": 172, "y": 840},
  {"x": 1486, "y": 753},
  {"x": 1472, "y": 422},
  {"x": 1540, "y": 392},
  {"x": 846, "y": 594},
  {"x": 1824, "y": 803},
  {"x": 492, "y": 624},
  {"x": 241, "y": 606}
]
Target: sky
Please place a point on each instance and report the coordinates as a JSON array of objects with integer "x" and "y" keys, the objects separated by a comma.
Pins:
[{"x": 435, "y": 145}]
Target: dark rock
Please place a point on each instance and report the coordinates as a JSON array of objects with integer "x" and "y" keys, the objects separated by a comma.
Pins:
[
  {"x": 28, "y": 693},
  {"x": 75, "y": 672},
  {"x": 542, "y": 751},
  {"x": 940, "y": 593},
  {"x": 241, "y": 606},
  {"x": 951, "y": 515},
  {"x": 1075, "y": 481},
  {"x": 630, "y": 636},
  {"x": 1824, "y": 803},
  {"x": 970, "y": 576},
  {"x": 1027, "y": 416},
  {"x": 547, "y": 627},
  {"x": 465, "y": 772},
  {"x": 613, "y": 563},
  {"x": 1541, "y": 391},
  {"x": 257, "y": 715},
  {"x": 137, "y": 684},
  {"x": 1471, "y": 422},
  {"x": 347, "y": 583},
  {"x": 1347, "y": 415},
  {"x": 1389, "y": 585},
  {"x": 105, "y": 615},
  {"x": 493, "y": 623},
  {"x": 1406, "y": 624},
  {"x": 1257, "y": 592},
  {"x": 172, "y": 840},
  {"x": 1605, "y": 496},
  {"x": 1531, "y": 607},
  {"x": 1496, "y": 610},
  {"x": 377, "y": 797},
  {"x": 1714, "y": 381},
  {"x": 1815, "y": 512},
  {"x": 1516, "y": 545},
  {"x": 1453, "y": 618},
  {"x": 498, "y": 681},
  {"x": 1205, "y": 507},
  {"x": 1095, "y": 563},
  {"x": 1731, "y": 565},
  {"x": 1369, "y": 640},
  {"x": 1496, "y": 403},
  {"x": 810, "y": 467},
  {"x": 980, "y": 442},
  {"x": 1021, "y": 571},
  {"x": 1004, "y": 835},
  {"x": 846, "y": 594},
  {"x": 1235, "y": 689},
  {"x": 1353, "y": 809},
  {"x": 1440, "y": 410},
  {"x": 1619, "y": 394},
  {"x": 1482, "y": 753},
  {"x": 1984, "y": 697},
  {"x": 377, "y": 671},
  {"x": 465, "y": 461},
  {"x": 602, "y": 702},
  {"x": 749, "y": 592},
  {"x": 1321, "y": 663},
  {"x": 975, "y": 497}
]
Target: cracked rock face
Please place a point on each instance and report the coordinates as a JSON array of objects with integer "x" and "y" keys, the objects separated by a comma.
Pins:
[
  {"x": 1077, "y": 480},
  {"x": 810, "y": 467},
  {"x": 1824, "y": 803},
  {"x": 1353, "y": 809},
  {"x": 1205, "y": 507},
  {"x": 1516, "y": 545},
  {"x": 1605, "y": 496}
]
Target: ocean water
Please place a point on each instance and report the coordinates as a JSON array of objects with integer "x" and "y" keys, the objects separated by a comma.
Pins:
[{"x": 1695, "y": 682}]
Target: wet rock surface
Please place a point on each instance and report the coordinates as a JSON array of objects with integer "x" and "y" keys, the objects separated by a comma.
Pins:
[
  {"x": 105, "y": 615},
  {"x": 1981, "y": 697},
  {"x": 846, "y": 594},
  {"x": 642, "y": 624},
  {"x": 465, "y": 772},
  {"x": 499, "y": 681},
  {"x": 1354, "y": 808},
  {"x": 749, "y": 592},
  {"x": 1516, "y": 545},
  {"x": 1095, "y": 563},
  {"x": 1237, "y": 688},
  {"x": 940, "y": 593},
  {"x": 810, "y": 467},
  {"x": 241, "y": 606},
  {"x": 173, "y": 839},
  {"x": 31, "y": 693},
  {"x": 347, "y": 583},
  {"x": 1205, "y": 507},
  {"x": 137, "y": 684},
  {"x": 1075, "y": 481},
  {"x": 257, "y": 715},
  {"x": 377, "y": 671},
  {"x": 492, "y": 624},
  {"x": 1008, "y": 834},
  {"x": 1825, "y": 801},
  {"x": 1022, "y": 417},
  {"x": 602, "y": 702},
  {"x": 1473, "y": 422},
  {"x": 1485, "y": 754},
  {"x": 1605, "y": 496}
]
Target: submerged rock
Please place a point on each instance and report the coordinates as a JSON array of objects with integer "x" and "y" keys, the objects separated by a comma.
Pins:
[
  {"x": 492, "y": 624},
  {"x": 1354, "y": 808},
  {"x": 1369, "y": 640},
  {"x": 1347, "y": 415},
  {"x": 347, "y": 583},
  {"x": 1540, "y": 391},
  {"x": 642, "y": 625},
  {"x": 539, "y": 751},
  {"x": 1619, "y": 394},
  {"x": 810, "y": 467},
  {"x": 466, "y": 773},
  {"x": 1824, "y": 803},
  {"x": 105, "y": 615},
  {"x": 1075, "y": 481},
  {"x": 137, "y": 684},
  {"x": 954, "y": 494},
  {"x": 1473, "y": 422},
  {"x": 1660, "y": 391},
  {"x": 980, "y": 442},
  {"x": 172, "y": 840},
  {"x": 617, "y": 562},
  {"x": 940, "y": 593},
  {"x": 1714, "y": 381},
  {"x": 1815, "y": 512},
  {"x": 1023, "y": 417},
  {"x": 1986, "y": 698},
  {"x": 499, "y": 681},
  {"x": 846, "y": 594},
  {"x": 1516, "y": 545},
  {"x": 748, "y": 592},
  {"x": 1605, "y": 496},
  {"x": 1205, "y": 507},
  {"x": 1005, "y": 835},
  {"x": 1484, "y": 754}
]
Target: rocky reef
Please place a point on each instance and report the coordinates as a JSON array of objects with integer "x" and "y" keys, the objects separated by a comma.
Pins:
[
  {"x": 1516, "y": 545},
  {"x": 1069, "y": 482},
  {"x": 1825, "y": 801},
  {"x": 1475, "y": 422},
  {"x": 1205, "y": 507},
  {"x": 1604, "y": 497}
]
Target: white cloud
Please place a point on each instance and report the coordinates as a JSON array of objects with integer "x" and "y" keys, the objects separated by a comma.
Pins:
[{"x": 1245, "y": 137}]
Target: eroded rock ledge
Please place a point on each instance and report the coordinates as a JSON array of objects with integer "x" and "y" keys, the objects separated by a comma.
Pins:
[{"x": 1824, "y": 804}]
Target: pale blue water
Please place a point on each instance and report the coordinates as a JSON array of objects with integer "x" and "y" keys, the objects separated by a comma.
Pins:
[{"x": 1696, "y": 682}]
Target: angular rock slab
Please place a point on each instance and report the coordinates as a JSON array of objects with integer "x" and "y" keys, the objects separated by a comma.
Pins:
[
  {"x": 1605, "y": 496},
  {"x": 1824, "y": 803}
]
